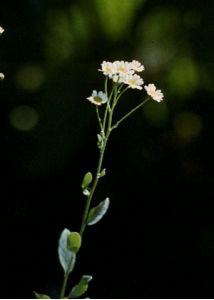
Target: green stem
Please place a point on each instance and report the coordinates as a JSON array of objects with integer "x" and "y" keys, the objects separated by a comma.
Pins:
[
  {"x": 129, "y": 113},
  {"x": 120, "y": 94},
  {"x": 66, "y": 275},
  {"x": 96, "y": 179},
  {"x": 64, "y": 284},
  {"x": 99, "y": 119},
  {"x": 97, "y": 175}
]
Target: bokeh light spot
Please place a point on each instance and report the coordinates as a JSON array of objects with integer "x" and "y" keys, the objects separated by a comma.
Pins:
[
  {"x": 116, "y": 17},
  {"x": 184, "y": 76},
  {"x": 188, "y": 125},
  {"x": 30, "y": 77},
  {"x": 23, "y": 117}
]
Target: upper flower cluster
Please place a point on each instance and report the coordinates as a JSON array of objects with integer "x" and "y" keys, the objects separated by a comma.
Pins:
[{"x": 124, "y": 72}]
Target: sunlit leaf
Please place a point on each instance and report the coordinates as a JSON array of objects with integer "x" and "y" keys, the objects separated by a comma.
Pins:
[
  {"x": 67, "y": 257},
  {"x": 97, "y": 212},
  {"x": 41, "y": 296},
  {"x": 79, "y": 289}
]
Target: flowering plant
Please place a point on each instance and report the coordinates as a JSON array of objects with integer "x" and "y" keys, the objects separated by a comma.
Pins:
[{"x": 119, "y": 77}]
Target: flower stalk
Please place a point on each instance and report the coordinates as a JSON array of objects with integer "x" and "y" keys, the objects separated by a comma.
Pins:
[{"x": 123, "y": 76}]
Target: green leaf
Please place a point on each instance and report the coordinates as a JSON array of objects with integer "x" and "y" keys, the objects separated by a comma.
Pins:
[
  {"x": 41, "y": 296},
  {"x": 79, "y": 289},
  {"x": 103, "y": 173},
  {"x": 87, "y": 180},
  {"x": 74, "y": 241},
  {"x": 97, "y": 212},
  {"x": 67, "y": 257}
]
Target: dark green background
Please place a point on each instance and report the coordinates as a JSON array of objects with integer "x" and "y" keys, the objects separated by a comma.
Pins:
[{"x": 157, "y": 240}]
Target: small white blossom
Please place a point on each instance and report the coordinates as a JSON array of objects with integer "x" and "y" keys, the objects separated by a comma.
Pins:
[
  {"x": 107, "y": 68},
  {"x": 151, "y": 90},
  {"x": 98, "y": 98},
  {"x": 122, "y": 67},
  {"x": 1, "y": 76},
  {"x": 134, "y": 81},
  {"x": 1, "y": 30},
  {"x": 136, "y": 66}
]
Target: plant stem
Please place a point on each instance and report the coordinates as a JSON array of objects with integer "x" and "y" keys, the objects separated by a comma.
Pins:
[
  {"x": 66, "y": 275},
  {"x": 99, "y": 119},
  {"x": 129, "y": 113},
  {"x": 64, "y": 284},
  {"x": 106, "y": 131},
  {"x": 96, "y": 179},
  {"x": 97, "y": 175}
]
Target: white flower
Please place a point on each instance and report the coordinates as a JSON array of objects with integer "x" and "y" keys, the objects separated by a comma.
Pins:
[
  {"x": 1, "y": 76},
  {"x": 151, "y": 90},
  {"x": 107, "y": 68},
  {"x": 1, "y": 30},
  {"x": 98, "y": 98},
  {"x": 122, "y": 67},
  {"x": 134, "y": 81},
  {"x": 136, "y": 66}
]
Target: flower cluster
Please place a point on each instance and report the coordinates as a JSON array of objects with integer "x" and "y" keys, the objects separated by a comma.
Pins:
[{"x": 124, "y": 72}]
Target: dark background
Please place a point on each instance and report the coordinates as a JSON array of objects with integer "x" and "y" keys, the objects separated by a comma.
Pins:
[{"x": 157, "y": 240}]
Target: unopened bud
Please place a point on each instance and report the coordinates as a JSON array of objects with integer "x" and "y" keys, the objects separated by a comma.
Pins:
[
  {"x": 74, "y": 241},
  {"x": 87, "y": 180}
]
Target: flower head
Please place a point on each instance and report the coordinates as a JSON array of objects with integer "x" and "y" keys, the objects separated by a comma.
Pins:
[
  {"x": 1, "y": 30},
  {"x": 107, "y": 68},
  {"x": 136, "y": 66},
  {"x": 98, "y": 98},
  {"x": 134, "y": 81},
  {"x": 122, "y": 67},
  {"x": 1, "y": 76},
  {"x": 151, "y": 90}
]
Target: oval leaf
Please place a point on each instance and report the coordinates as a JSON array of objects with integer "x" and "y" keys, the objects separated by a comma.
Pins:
[
  {"x": 67, "y": 258},
  {"x": 41, "y": 296},
  {"x": 97, "y": 212},
  {"x": 79, "y": 289}
]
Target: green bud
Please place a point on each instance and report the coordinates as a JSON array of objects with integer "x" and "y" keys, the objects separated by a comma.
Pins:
[
  {"x": 100, "y": 140},
  {"x": 103, "y": 173},
  {"x": 74, "y": 241},
  {"x": 87, "y": 180}
]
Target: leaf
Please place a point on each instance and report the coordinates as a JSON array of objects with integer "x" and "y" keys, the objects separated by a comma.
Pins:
[
  {"x": 103, "y": 173},
  {"x": 97, "y": 212},
  {"x": 81, "y": 287},
  {"x": 41, "y": 296},
  {"x": 67, "y": 257},
  {"x": 87, "y": 180}
]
